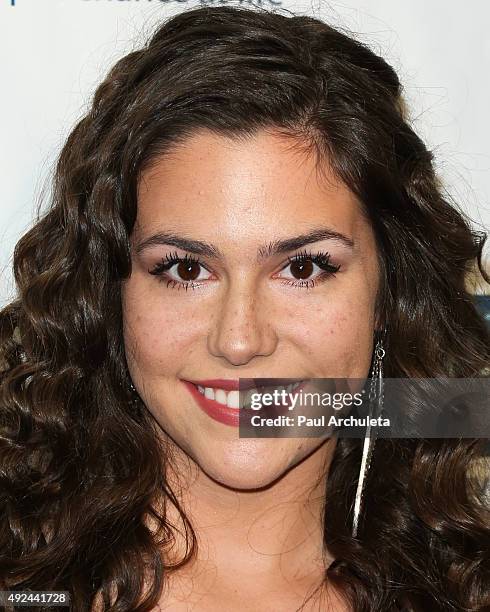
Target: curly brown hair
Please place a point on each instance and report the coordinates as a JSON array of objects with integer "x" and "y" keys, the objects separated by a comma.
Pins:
[{"x": 81, "y": 466}]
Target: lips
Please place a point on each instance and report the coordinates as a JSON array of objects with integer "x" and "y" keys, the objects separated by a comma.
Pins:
[{"x": 225, "y": 414}]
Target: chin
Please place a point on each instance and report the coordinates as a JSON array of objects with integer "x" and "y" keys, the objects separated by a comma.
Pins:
[
  {"x": 244, "y": 481},
  {"x": 251, "y": 465}
]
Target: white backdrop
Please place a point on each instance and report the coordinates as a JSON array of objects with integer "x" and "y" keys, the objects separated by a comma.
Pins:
[{"x": 54, "y": 52}]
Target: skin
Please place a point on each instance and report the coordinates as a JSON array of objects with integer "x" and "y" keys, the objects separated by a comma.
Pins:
[{"x": 254, "y": 503}]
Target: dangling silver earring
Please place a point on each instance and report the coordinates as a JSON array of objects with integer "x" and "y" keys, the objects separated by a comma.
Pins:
[{"x": 376, "y": 393}]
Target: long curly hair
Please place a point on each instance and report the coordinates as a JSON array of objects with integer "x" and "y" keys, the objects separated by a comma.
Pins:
[{"x": 81, "y": 466}]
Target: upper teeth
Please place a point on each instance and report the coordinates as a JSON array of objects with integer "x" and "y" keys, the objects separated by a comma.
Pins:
[{"x": 231, "y": 398}]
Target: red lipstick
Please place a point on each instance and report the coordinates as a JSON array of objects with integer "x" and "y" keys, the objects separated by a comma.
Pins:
[
  {"x": 217, "y": 411},
  {"x": 231, "y": 416}
]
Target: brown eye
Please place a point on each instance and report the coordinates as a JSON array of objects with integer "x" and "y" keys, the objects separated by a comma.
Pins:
[
  {"x": 188, "y": 271},
  {"x": 181, "y": 271},
  {"x": 307, "y": 269},
  {"x": 302, "y": 269}
]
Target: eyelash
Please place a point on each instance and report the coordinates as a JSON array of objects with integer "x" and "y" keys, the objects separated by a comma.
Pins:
[{"x": 321, "y": 259}]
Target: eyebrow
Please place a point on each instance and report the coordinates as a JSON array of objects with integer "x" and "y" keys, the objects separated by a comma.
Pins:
[{"x": 274, "y": 247}]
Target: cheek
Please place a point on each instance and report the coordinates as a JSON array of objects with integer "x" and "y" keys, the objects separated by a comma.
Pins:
[
  {"x": 157, "y": 337},
  {"x": 335, "y": 333}
]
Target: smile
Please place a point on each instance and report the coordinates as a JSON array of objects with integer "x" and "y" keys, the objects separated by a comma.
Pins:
[
  {"x": 224, "y": 406},
  {"x": 232, "y": 398}
]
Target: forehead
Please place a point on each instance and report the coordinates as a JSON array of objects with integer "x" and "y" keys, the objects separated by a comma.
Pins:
[{"x": 268, "y": 179}]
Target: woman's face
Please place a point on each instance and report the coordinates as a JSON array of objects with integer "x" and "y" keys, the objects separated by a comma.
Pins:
[{"x": 250, "y": 313}]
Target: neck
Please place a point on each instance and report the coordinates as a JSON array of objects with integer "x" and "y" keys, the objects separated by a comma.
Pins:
[{"x": 274, "y": 532}]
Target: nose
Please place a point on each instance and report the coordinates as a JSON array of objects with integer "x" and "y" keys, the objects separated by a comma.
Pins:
[{"x": 243, "y": 328}]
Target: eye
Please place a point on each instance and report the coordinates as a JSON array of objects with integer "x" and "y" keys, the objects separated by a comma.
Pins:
[
  {"x": 180, "y": 272},
  {"x": 307, "y": 269}
]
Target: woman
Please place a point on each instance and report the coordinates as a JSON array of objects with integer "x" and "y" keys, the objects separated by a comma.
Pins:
[{"x": 244, "y": 199}]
